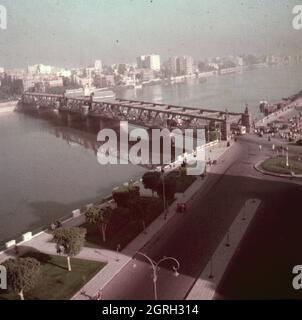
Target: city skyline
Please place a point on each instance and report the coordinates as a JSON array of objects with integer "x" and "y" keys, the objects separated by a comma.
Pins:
[{"x": 192, "y": 28}]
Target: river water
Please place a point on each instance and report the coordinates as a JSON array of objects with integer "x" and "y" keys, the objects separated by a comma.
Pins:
[{"x": 48, "y": 165}]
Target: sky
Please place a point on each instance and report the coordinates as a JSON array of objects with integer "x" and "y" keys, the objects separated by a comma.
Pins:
[{"x": 71, "y": 33}]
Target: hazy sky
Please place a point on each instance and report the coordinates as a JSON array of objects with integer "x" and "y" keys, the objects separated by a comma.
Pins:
[{"x": 76, "y": 32}]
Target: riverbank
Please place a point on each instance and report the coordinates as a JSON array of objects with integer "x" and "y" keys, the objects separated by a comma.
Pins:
[
  {"x": 8, "y": 106},
  {"x": 288, "y": 108}
]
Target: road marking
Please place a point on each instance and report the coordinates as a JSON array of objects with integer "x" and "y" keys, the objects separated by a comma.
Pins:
[{"x": 206, "y": 285}]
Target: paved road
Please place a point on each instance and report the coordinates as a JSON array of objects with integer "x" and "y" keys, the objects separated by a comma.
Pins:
[{"x": 193, "y": 237}]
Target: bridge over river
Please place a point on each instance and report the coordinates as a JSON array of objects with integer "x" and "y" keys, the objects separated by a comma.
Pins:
[{"x": 141, "y": 113}]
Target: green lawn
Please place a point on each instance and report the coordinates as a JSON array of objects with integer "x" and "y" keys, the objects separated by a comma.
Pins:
[
  {"x": 278, "y": 165},
  {"x": 123, "y": 229},
  {"x": 56, "y": 282}
]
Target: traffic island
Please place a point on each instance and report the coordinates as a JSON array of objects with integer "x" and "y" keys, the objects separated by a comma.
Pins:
[{"x": 281, "y": 166}]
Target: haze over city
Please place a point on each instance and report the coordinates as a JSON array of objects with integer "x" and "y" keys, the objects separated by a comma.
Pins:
[{"x": 74, "y": 33}]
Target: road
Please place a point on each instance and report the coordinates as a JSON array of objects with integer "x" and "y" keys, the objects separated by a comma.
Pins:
[{"x": 193, "y": 237}]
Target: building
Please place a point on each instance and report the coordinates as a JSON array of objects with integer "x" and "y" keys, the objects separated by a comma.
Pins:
[
  {"x": 15, "y": 73},
  {"x": 145, "y": 74},
  {"x": 173, "y": 65},
  {"x": 107, "y": 81},
  {"x": 98, "y": 66},
  {"x": 52, "y": 83},
  {"x": 39, "y": 69},
  {"x": 64, "y": 73},
  {"x": 28, "y": 83},
  {"x": 185, "y": 65},
  {"x": 151, "y": 61},
  {"x": 181, "y": 66},
  {"x": 82, "y": 81}
]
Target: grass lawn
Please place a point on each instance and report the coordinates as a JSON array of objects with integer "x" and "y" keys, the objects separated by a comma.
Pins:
[
  {"x": 123, "y": 229},
  {"x": 278, "y": 165},
  {"x": 56, "y": 282}
]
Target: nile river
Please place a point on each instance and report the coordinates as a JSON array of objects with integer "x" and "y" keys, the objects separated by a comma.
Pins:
[{"x": 48, "y": 165}]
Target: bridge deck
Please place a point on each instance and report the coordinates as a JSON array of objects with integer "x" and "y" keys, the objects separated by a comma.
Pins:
[{"x": 174, "y": 111}]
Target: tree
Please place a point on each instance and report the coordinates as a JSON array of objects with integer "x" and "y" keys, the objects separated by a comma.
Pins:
[
  {"x": 137, "y": 211},
  {"x": 100, "y": 217},
  {"x": 121, "y": 196},
  {"x": 22, "y": 274},
  {"x": 124, "y": 194},
  {"x": 72, "y": 240},
  {"x": 151, "y": 180}
]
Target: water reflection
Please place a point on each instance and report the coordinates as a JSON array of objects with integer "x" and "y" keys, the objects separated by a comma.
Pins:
[{"x": 49, "y": 167}]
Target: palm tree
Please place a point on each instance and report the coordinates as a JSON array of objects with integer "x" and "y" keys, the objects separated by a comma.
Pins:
[{"x": 100, "y": 217}]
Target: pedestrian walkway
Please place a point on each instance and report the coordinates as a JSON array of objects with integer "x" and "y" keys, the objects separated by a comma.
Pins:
[{"x": 205, "y": 287}]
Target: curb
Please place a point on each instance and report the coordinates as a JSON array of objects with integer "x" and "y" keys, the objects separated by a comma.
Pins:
[{"x": 258, "y": 168}]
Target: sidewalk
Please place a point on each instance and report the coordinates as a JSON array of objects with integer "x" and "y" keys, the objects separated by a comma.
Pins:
[{"x": 205, "y": 287}]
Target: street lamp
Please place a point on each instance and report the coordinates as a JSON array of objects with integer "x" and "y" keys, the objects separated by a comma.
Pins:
[
  {"x": 155, "y": 268},
  {"x": 287, "y": 163},
  {"x": 164, "y": 192}
]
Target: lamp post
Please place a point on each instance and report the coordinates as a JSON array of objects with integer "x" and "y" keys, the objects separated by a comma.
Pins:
[
  {"x": 287, "y": 163},
  {"x": 155, "y": 268},
  {"x": 164, "y": 192}
]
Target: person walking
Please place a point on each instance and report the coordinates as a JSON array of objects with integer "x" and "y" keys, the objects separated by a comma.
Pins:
[{"x": 99, "y": 295}]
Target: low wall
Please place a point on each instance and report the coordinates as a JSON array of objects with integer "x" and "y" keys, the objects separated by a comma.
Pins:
[{"x": 76, "y": 218}]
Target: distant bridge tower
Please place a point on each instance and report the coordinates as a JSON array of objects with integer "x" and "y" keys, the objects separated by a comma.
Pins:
[{"x": 246, "y": 119}]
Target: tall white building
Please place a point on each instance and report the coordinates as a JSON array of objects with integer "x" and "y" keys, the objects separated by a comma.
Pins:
[
  {"x": 151, "y": 61},
  {"x": 183, "y": 65},
  {"x": 98, "y": 66}
]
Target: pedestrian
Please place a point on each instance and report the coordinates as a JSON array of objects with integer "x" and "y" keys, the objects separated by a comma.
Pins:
[
  {"x": 260, "y": 147},
  {"x": 99, "y": 295},
  {"x": 16, "y": 249}
]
